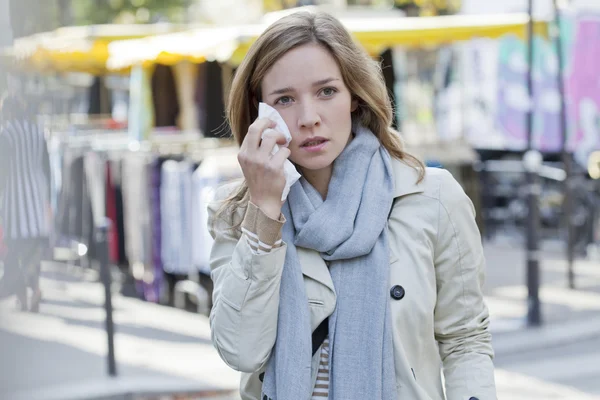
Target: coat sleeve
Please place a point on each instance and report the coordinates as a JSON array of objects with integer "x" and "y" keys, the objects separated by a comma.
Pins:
[
  {"x": 245, "y": 296},
  {"x": 461, "y": 316}
]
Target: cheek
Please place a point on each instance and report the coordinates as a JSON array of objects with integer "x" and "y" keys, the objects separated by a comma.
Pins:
[
  {"x": 341, "y": 116},
  {"x": 289, "y": 118}
]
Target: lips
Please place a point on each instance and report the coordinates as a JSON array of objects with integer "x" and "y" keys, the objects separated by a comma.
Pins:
[{"x": 314, "y": 141}]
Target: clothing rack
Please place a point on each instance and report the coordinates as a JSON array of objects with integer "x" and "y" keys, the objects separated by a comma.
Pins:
[
  {"x": 144, "y": 258},
  {"x": 90, "y": 158}
]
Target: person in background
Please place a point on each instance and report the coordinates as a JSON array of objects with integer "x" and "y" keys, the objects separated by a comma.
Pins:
[
  {"x": 24, "y": 199},
  {"x": 366, "y": 283}
]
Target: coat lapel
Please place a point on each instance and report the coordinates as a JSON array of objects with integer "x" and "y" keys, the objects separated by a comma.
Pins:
[{"x": 315, "y": 267}]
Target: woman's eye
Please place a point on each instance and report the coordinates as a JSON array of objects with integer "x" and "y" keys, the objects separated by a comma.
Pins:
[
  {"x": 284, "y": 100},
  {"x": 328, "y": 91}
]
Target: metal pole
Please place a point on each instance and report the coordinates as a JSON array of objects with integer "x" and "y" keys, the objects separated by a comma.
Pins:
[
  {"x": 566, "y": 156},
  {"x": 6, "y": 34},
  {"x": 102, "y": 243},
  {"x": 532, "y": 158}
]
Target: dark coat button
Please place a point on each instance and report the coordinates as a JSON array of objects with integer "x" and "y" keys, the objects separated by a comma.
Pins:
[
  {"x": 397, "y": 292},
  {"x": 473, "y": 398},
  {"x": 265, "y": 397},
  {"x": 262, "y": 377}
]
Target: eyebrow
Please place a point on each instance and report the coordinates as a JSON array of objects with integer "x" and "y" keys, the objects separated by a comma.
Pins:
[{"x": 291, "y": 89}]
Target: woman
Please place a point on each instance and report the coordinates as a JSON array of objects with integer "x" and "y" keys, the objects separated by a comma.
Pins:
[
  {"x": 386, "y": 252},
  {"x": 25, "y": 200}
]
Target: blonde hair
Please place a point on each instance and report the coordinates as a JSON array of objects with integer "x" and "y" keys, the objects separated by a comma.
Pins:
[{"x": 361, "y": 74}]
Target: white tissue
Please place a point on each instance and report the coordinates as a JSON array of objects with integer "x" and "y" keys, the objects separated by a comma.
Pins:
[{"x": 290, "y": 172}]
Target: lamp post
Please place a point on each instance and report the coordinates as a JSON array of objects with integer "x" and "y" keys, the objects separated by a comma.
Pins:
[
  {"x": 532, "y": 161},
  {"x": 566, "y": 155}
]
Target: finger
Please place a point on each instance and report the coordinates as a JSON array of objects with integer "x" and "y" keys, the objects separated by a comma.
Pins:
[
  {"x": 270, "y": 139},
  {"x": 253, "y": 137},
  {"x": 279, "y": 158}
]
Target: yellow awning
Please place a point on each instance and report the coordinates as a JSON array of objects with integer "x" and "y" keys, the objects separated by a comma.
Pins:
[
  {"x": 379, "y": 34},
  {"x": 104, "y": 49},
  {"x": 195, "y": 45},
  {"x": 76, "y": 49},
  {"x": 375, "y": 34}
]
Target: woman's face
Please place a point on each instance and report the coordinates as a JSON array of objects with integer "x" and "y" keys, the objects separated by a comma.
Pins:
[{"x": 306, "y": 87}]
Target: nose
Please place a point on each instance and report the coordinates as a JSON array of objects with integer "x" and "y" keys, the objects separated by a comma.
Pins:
[{"x": 309, "y": 115}]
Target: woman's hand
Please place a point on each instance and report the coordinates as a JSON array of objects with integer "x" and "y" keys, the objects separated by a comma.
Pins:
[{"x": 263, "y": 171}]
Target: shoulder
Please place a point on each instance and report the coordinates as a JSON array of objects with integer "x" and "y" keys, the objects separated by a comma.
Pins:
[
  {"x": 224, "y": 191},
  {"x": 438, "y": 185},
  {"x": 450, "y": 195},
  {"x": 442, "y": 183},
  {"x": 217, "y": 210}
]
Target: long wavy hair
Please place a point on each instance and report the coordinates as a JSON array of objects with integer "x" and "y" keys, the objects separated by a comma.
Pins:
[{"x": 361, "y": 74}]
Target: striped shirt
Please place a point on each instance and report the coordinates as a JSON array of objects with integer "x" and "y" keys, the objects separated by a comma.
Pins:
[
  {"x": 321, "y": 390},
  {"x": 258, "y": 245},
  {"x": 263, "y": 235},
  {"x": 24, "y": 180}
]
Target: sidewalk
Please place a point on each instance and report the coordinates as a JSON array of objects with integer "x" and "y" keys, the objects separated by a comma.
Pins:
[
  {"x": 60, "y": 353},
  {"x": 567, "y": 315}
]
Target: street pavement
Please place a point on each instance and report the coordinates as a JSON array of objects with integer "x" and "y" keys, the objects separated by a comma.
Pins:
[
  {"x": 59, "y": 354},
  {"x": 560, "y": 359},
  {"x": 573, "y": 365}
]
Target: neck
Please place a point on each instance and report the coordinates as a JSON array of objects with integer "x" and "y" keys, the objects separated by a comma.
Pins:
[{"x": 319, "y": 179}]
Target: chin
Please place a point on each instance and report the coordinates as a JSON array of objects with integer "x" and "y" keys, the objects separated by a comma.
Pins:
[{"x": 315, "y": 164}]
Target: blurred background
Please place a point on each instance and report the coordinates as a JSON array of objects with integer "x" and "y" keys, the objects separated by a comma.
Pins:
[{"x": 114, "y": 138}]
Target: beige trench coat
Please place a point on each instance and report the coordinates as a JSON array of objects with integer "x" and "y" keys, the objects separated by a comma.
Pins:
[{"x": 440, "y": 323}]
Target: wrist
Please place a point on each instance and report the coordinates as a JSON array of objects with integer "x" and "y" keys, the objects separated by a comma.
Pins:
[{"x": 270, "y": 209}]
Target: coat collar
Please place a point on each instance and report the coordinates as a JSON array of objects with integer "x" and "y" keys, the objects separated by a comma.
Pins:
[
  {"x": 405, "y": 179},
  {"x": 405, "y": 183}
]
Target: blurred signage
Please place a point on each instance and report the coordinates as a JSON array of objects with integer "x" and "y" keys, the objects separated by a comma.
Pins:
[
  {"x": 428, "y": 7},
  {"x": 495, "y": 85},
  {"x": 278, "y": 5}
]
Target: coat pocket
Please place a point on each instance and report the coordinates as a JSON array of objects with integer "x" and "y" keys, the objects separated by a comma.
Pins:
[{"x": 316, "y": 302}]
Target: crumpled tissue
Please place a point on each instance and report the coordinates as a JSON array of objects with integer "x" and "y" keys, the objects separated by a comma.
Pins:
[{"x": 290, "y": 172}]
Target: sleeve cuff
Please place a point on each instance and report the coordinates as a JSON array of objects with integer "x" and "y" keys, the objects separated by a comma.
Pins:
[{"x": 263, "y": 233}]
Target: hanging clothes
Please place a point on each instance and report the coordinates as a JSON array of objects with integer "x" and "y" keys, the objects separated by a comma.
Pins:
[
  {"x": 136, "y": 207},
  {"x": 216, "y": 123},
  {"x": 164, "y": 97},
  {"x": 74, "y": 210},
  {"x": 153, "y": 290},
  {"x": 200, "y": 96},
  {"x": 95, "y": 172},
  {"x": 119, "y": 215},
  {"x": 214, "y": 170},
  {"x": 120, "y": 225},
  {"x": 176, "y": 204},
  {"x": 24, "y": 179},
  {"x": 111, "y": 214},
  {"x": 99, "y": 98}
]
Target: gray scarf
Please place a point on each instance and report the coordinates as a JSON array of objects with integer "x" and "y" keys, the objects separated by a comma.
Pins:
[{"x": 349, "y": 229}]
